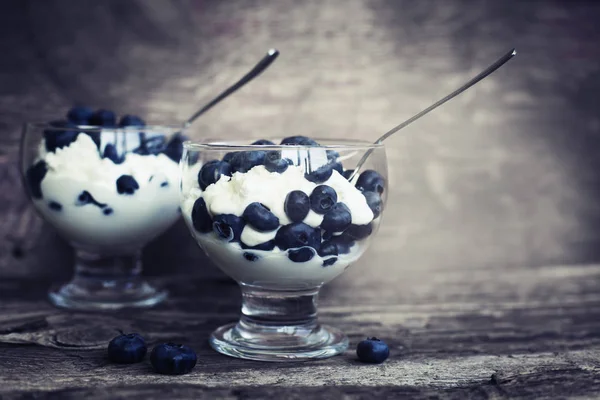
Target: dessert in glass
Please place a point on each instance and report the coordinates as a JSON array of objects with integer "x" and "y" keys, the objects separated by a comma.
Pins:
[
  {"x": 107, "y": 188},
  {"x": 282, "y": 220}
]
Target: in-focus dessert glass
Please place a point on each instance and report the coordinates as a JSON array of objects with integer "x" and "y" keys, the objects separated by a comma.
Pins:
[
  {"x": 282, "y": 220},
  {"x": 108, "y": 191}
]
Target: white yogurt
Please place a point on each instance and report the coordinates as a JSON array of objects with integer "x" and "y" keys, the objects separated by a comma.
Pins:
[
  {"x": 135, "y": 218},
  {"x": 231, "y": 195}
]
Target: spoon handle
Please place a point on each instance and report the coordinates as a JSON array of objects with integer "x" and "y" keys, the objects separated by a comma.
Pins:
[
  {"x": 253, "y": 73},
  {"x": 500, "y": 62}
]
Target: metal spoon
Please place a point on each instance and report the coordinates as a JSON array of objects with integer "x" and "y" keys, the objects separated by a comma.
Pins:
[
  {"x": 253, "y": 73},
  {"x": 486, "y": 72}
]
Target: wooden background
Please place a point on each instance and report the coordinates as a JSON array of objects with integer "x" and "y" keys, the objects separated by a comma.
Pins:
[{"x": 485, "y": 278}]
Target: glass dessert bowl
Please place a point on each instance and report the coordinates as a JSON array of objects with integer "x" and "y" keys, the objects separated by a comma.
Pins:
[
  {"x": 282, "y": 220},
  {"x": 108, "y": 191}
]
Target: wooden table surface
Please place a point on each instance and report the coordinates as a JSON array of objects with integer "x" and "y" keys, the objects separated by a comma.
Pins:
[{"x": 485, "y": 276}]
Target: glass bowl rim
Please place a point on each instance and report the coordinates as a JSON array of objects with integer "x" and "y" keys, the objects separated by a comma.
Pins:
[
  {"x": 96, "y": 128},
  {"x": 350, "y": 144}
]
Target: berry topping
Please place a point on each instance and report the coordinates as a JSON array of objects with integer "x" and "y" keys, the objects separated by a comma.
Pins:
[
  {"x": 263, "y": 142},
  {"x": 299, "y": 141},
  {"x": 126, "y": 184},
  {"x": 110, "y": 152},
  {"x": 296, "y": 235},
  {"x": 274, "y": 162},
  {"x": 374, "y": 202},
  {"x": 358, "y": 232},
  {"x": 174, "y": 149},
  {"x": 372, "y": 350},
  {"x": 320, "y": 174},
  {"x": 260, "y": 217},
  {"x": 337, "y": 219},
  {"x": 127, "y": 349},
  {"x": 297, "y": 205},
  {"x": 59, "y": 135},
  {"x": 105, "y": 118},
  {"x": 200, "y": 217},
  {"x": 34, "y": 176},
  {"x": 347, "y": 173},
  {"x": 322, "y": 199},
  {"x": 266, "y": 246},
  {"x": 303, "y": 254},
  {"x": 80, "y": 115},
  {"x": 212, "y": 171},
  {"x": 329, "y": 261},
  {"x": 328, "y": 248},
  {"x": 228, "y": 227},
  {"x": 131, "y": 120},
  {"x": 172, "y": 359},
  {"x": 370, "y": 181},
  {"x": 244, "y": 161}
]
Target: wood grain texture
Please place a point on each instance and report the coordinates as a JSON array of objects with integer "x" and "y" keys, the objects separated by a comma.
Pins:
[{"x": 485, "y": 278}]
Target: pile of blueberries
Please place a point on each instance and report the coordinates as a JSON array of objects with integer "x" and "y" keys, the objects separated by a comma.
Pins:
[
  {"x": 84, "y": 120},
  {"x": 178, "y": 359},
  {"x": 336, "y": 235}
]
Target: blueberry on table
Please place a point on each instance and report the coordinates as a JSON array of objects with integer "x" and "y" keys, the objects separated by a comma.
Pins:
[
  {"x": 374, "y": 202},
  {"x": 263, "y": 142},
  {"x": 105, "y": 118},
  {"x": 126, "y": 184},
  {"x": 201, "y": 219},
  {"x": 110, "y": 152},
  {"x": 34, "y": 176},
  {"x": 212, "y": 171},
  {"x": 80, "y": 115},
  {"x": 372, "y": 350},
  {"x": 174, "y": 149},
  {"x": 299, "y": 141},
  {"x": 244, "y": 161},
  {"x": 358, "y": 232},
  {"x": 131, "y": 120},
  {"x": 371, "y": 181},
  {"x": 322, "y": 199},
  {"x": 172, "y": 359},
  {"x": 60, "y": 134},
  {"x": 337, "y": 219},
  {"x": 274, "y": 163},
  {"x": 127, "y": 349},
  {"x": 260, "y": 217},
  {"x": 228, "y": 226},
  {"x": 297, "y": 235},
  {"x": 297, "y": 205},
  {"x": 320, "y": 174},
  {"x": 303, "y": 254}
]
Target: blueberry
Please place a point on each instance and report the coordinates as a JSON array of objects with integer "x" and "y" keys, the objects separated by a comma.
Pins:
[
  {"x": 303, "y": 254},
  {"x": 374, "y": 202},
  {"x": 228, "y": 226},
  {"x": 164, "y": 184},
  {"x": 80, "y": 115},
  {"x": 320, "y": 174},
  {"x": 229, "y": 156},
  {"x": 34, "y": 176},
  {"x": 347, "y": 173},
  {"x": 297, "y": 234},
  {"x": 250, "y": 256},
  {"x": 152, "y": 145},
  {"x": 110, "y": 152},
  {"x": 105, "y": 118},
  {"x": 127, "y": 349},
  {"x": 95, "y": 135},
  {"x": 200, "y": 217},
  {"x": 172, "y": 359},
  {"x": 332, "y": 155},
  {"x": 322, "y": 199},
  {"x": 266, "y": 246},
  {"x": 297, "y": 205},
  {"x": 274, "y": 162},
  {"x": 370, "y": 181},
  {"x": 358, "y": 232},
  {"x": 263, "y": 142},
  {"x": 59, "y": 135},
  {"x": 328, "y": 248},
  {"x": 174, "y": 149},
  {"x": 329, "y": 261},
  {"x": 107, "y": 211},
  {"x": 260, "y": 217},
  {"x": 212, "y": 171},
  {"x": 337, "y": 166},
  {"x": 299, "y": 141},
  {"x": 244, "y": 161},
  {"x": 372, "y": 350},
  {"x": 126, "y": 184},
  {"x": 56, "y": 206},
  {"x": 343, "y": 243},
  {"x": 337, "y": 219},
  {"x": 131, "y": 120}
]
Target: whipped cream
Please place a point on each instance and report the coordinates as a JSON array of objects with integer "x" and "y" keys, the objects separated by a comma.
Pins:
[{"x": 114, "y": 220}]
